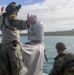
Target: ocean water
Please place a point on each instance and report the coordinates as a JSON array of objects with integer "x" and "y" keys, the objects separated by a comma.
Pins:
[{"x": 50, "y": 42}]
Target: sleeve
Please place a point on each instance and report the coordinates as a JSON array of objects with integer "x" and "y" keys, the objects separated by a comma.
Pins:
[
  {"x": 56, "y": 70},
  {"x": 19, "y": 24}
]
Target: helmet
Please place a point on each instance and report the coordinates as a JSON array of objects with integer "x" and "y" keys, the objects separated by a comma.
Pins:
[
  {"x": 36, "y": 32},
  {"x": 69, "y": 57},
  {"x": 60, "y": 45},
  {"x": 12, "y": 7}
]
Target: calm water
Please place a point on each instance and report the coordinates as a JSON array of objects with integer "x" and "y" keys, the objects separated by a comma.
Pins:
[{"x": 50, "y": 42}]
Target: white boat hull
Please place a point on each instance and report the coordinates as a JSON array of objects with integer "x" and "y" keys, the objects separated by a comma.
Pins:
[{"x": 23, "y": 70}]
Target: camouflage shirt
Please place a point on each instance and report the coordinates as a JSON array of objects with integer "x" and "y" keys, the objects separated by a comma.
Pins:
[
  {"x": 11, "y": 28},
  {"x": 58, "y": 64}
]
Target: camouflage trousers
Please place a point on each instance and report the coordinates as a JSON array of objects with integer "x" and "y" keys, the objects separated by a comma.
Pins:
[{"x": 10, "y": 59}]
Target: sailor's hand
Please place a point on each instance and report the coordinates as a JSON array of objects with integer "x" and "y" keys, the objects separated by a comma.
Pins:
[
  {"x": 2, "y": 9},
  {"x": 31, "y": 19}
]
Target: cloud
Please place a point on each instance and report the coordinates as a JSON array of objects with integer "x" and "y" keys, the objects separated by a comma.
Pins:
[
  {"x": 59, "y": 13},
  {"x": 55, "y": 14}
]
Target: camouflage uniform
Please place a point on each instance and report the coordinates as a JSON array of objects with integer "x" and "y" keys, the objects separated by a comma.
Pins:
[
  {"x": 69, "y": 64},
  {"x": 58, "y": 64},
  {"x": 11, "y": 54}
]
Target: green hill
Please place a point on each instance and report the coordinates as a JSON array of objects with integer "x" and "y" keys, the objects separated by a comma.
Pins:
[{"x": 60, "y": 33}]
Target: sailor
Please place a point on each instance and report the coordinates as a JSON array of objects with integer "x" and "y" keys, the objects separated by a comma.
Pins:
[
  {"x": 59, "y": 59},
  {"x": 33, "y": 51},
  {"x": 11, "y": 51}
]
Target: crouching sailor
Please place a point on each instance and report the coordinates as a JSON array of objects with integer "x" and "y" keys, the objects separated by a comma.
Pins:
[{"x": 33, "y": 51}]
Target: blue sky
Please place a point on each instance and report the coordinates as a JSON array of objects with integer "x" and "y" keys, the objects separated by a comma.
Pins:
[{"x": 23, "y": 2}]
